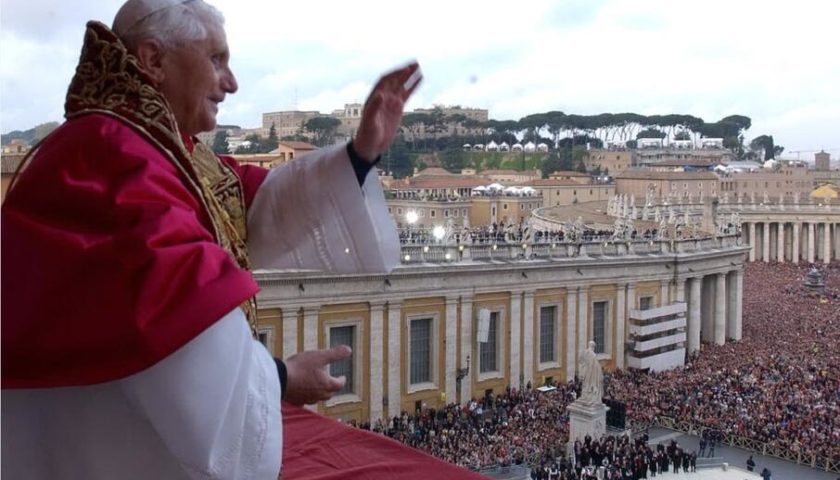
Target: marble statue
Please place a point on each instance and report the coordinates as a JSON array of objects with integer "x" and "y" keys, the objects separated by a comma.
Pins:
[{"x": 591, "y": 376}]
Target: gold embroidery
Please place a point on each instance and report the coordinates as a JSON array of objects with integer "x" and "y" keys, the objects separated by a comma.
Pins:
[{"x": 109, "y": 80}]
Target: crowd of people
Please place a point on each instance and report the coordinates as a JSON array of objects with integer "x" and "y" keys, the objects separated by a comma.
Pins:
[
  {"x": 779, "y": 385},
  {"x": 617, "y": 458}
]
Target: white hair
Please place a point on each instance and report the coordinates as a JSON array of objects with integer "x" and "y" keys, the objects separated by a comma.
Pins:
[{"x": 170, "y": 22}]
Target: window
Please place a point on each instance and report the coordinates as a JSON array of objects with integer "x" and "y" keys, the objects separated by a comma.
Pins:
[
  {"x": 645, "y": 303},
  {"x": 345, "y": 335},
  {"x": 432, "y": 213},
  {"x": 488, "y": 351},
  {"x": 455, "y": 212},
  {"x": 599, "y": 324},
  {"x": 399, "y": 211},
  {"x": 548, "y": 350},
  {"x": 446, "y": 213},
  {"x": 420, "y": 350},
  {"x": 265, "y": 335},
  {"x": 504, "y": 206}
]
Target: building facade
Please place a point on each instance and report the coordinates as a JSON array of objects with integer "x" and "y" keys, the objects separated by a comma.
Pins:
[
  {"x": 610, "y": 161},
  {"x": 288, "y": 123},
  {"x": 667, "y": 184},
  {"x": 449, "y": 331}
]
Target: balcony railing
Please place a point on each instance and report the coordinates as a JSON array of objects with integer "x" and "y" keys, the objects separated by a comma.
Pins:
[{"x": 422, "y": 247}]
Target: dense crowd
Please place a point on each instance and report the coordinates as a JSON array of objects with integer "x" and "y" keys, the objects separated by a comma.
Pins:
[
  {"x": 617, "y": 458},
  {"x": 779, "y": 385},
  {"x": 514, "y": 427}
]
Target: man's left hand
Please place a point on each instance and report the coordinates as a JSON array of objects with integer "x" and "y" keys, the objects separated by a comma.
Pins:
[{"x": 383, "y": 110}]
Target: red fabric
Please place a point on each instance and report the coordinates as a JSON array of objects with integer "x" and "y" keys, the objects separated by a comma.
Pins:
[
  {"x": 320, "y": 448},
  {"x": 108, "y": 262}
]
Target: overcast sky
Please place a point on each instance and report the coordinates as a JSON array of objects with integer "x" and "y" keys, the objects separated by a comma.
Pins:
[{"x": 775, "y": 62}]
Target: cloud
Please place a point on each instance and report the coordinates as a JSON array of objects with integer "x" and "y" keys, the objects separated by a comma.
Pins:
[{"x": 771, "y": 61}]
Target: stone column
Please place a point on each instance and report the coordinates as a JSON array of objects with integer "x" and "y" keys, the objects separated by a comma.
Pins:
[
  {"x": 663, "y": 292},
  {"x": 310, "y": 328},
  {"x": 620, "y": 326},
  {"x": 826, "y": 243},
  {"x": 694, "y": 314},
  {"x": 394, "y": 357},
  {"x": 514, "y": 349},
  {"x": 731, "y": 305},
  {"x": 752, "y": 241},
  {"x": 681, "y": 290},
  {"x": 290, "y": 331},
  {"x": 450, "y": 344},
  {"x": 528, "y": 336},
  {"x": 466, "y": 346},
  {"x": 571, "y": 332},
  {"x": 780, "y": 242},
  {"x": 794, "y": 251},
  {"x": 765, "y": 243},
  {"x": 583, "y": 319},
  {"x": 310, "y": 336},
  {"x": 720, "y": 309},
  {"x": 737, "y": 331},
  {"x": 377, "y": 361},
  {"x": 811, "y": 242}
]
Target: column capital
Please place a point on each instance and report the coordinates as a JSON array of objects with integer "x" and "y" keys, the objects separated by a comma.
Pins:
[
  {"x": 378, "y": 305},
  {"x": 452, "y": 300},
  {"x": 529, "y": 293},
  {"x": 311, "y": 309},
  {"x": 393, "y": 304}
]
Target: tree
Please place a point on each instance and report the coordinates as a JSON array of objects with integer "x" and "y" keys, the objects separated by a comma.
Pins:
[
  {"x": 220, "y": 144},
  {"x": 397, "y": 159},
  {"x": 650, "y": 133},
  {"x": 253, "y": 144},
  {"x": 324, "y": 129},
  {"x": 764, "y": 143},
  {"x": 272, "y": 142},
  {"x": 453, "y": 159}
]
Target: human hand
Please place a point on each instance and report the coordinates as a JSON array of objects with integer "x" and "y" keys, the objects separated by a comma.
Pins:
[
  {"x": 383, "y": 110},
  {"x": 307, "y": 377}
]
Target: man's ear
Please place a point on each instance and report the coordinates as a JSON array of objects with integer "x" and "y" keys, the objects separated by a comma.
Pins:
[{"x": 150, "y": 54}]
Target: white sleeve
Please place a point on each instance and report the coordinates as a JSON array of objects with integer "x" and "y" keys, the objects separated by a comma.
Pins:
[
  {"x": 215, "y": 403},
  {"x": 311, "y": 214}
]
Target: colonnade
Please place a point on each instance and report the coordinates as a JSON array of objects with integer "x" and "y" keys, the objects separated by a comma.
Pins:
[
  {"x": 792, "y": 241},
  {"x": 715, "y": 308}
]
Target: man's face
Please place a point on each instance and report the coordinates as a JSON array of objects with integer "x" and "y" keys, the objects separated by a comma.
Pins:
[{"x": 196, "y": 79}]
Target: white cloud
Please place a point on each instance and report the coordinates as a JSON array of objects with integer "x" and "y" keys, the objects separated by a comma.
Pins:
[{"x": 772, "y": 61}]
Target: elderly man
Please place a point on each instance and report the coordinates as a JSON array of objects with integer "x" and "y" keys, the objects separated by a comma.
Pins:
[{"x": 128, "y": 305}]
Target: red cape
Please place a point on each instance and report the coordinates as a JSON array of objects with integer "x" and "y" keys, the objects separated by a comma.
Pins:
[
  {"x": 108, "y": 262},
  {"x": 320, "y": 448}
]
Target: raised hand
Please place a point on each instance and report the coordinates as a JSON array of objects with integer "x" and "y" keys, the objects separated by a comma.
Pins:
[
  {"x": 383, "y": 111},
  {"x": 308, "y": 380}
]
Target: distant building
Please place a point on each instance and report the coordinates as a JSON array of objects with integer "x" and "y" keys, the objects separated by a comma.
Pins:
[
  {"x": 289, "y": 150},
  {"x": 610, "y": 161},
  {"x": 650, "y": 157},
  {"x": 505, "y": 209},
  {"x": 10, "y": 163},
  {"x": 511, "y": 176},
  {"x": 288, "y": 123},
  {"x": 556, "y": 191},
  {"x": 822, "y": 161},
  {"x": 577, "y": 177},
  {"x": 785, "y": 182},
  {"x": 667, "y": 184},
  {"x": 15, "y": 147}
]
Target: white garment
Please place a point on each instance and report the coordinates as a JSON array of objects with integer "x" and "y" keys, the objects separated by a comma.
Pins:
[
  {"x": 211, "y": 410},
  {"x": 330, "y": 224}
]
